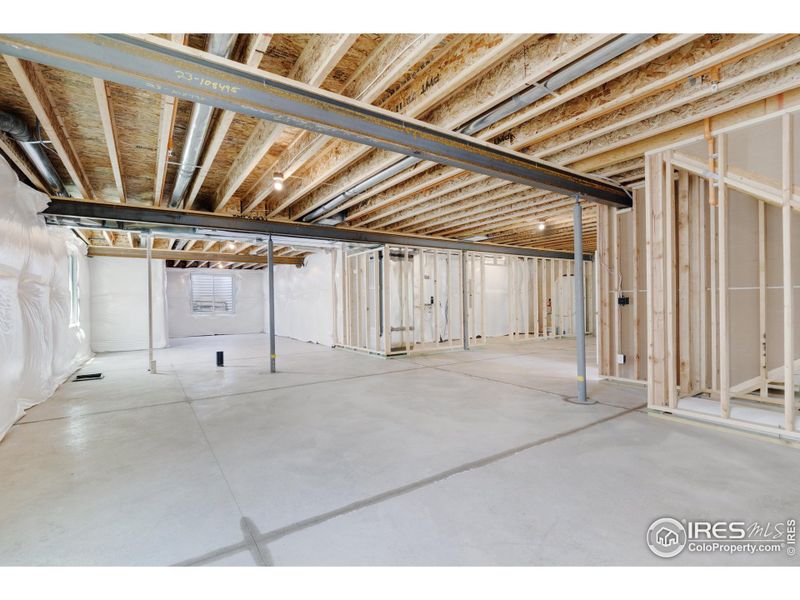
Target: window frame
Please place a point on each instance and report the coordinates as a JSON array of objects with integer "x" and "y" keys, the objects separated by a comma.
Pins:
[{"x": 215, "y": 311}]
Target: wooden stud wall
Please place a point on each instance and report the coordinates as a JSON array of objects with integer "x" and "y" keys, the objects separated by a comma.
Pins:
[
  {"x": 540, "y": 302},
  {"x": 706, "y": 267}
]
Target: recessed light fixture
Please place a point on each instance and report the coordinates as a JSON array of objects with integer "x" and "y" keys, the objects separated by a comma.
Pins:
[
  {"x": 277, "y": 180},
  {"x": 541, "y": 226}
]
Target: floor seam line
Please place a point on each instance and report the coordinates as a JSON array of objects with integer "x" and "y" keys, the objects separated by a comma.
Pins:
[
  {"x": 189, "y": 400},
  {"x": 297, "y": 385},
  {"x": 101, "y": 412},
  {"x": 519, "y": 385},
  {"x": 311, "y": 522},
  {"x": 242, "y": 517},
  {"x": 525, "y": 387},
  {"x": 460, "y": 362}
]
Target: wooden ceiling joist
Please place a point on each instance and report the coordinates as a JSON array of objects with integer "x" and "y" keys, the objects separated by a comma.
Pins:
[
  {"x": 527, "y": 65},
  {"x": 774, "y": 57},
  {"x": 468, "y": 57},
  {"x": 35, "y": 91},
  {"x": 655, "y": 95},
  {"x": 395, "y": 55},
  {"x": 256, "y": 47},
  {"x": 542, "y": 120},
  {"x": 627, "y": 62},
  {"x": 318, "y": 59},
  {"x": 734, "y": 77},
  {"x": 107, "y": 120},
  {"x": 223, "y": 257}
]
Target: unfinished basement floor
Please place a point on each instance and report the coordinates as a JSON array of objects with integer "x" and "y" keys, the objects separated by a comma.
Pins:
[{"x": 458, "y": 458}]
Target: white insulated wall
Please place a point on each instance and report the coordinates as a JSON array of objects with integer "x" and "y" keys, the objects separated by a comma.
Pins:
[
  {"x": 39, "y": 348},
  {"x": 303, "y": 300},
  {"x": 496, "y": 300},
  {"x": 248, "y": 302},
  {"x": 119, "y": 304}
]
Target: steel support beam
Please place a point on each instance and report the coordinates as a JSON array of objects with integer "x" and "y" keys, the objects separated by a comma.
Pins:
[
  {"x": 160, "y": 66},
  {"x": 89, "y": 215}
]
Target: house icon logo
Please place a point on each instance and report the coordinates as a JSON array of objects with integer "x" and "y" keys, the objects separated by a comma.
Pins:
[{"x": 666, "y": 537}]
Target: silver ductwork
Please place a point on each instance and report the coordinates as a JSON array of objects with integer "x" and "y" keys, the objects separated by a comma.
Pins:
[
  {"x": 17, "y": 128},
  {"x": 219, "y": 44},
  {"x": 533, "y": 93}
]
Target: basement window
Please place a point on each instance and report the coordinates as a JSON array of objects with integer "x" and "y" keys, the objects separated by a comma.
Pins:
[
  {"x": 212, "y": 294},
  {"x": 74, "y": 298}
]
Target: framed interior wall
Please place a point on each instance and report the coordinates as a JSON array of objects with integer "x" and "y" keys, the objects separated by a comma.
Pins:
[
  {"x": 396, "y": 300},
  {"x": 713, "y": 244},
  {"x": 541, "y": 298}
]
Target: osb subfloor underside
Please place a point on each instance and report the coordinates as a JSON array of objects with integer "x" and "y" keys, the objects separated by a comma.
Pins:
[{"x": 344, "y": 459}]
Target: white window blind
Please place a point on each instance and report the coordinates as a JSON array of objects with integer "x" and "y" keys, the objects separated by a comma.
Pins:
[{"x": 212, "y": 294}]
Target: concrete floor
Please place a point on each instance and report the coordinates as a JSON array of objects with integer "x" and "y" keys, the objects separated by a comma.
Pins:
[{"x": 460, "y": 458}]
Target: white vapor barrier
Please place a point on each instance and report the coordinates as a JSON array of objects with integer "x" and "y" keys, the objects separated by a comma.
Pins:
[
  {"x": 41, "y": 341},
  {"x": 496, "y": 299},
  {"x": 248, "y": 304},
  {"x": 303, "y": 300},
  {"x": 119, "y": 304}
]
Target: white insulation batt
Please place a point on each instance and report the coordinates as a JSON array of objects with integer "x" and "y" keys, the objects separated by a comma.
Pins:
[
  {"x": 249, "y": 306},
  {"x": 496, "y": 300},
  {"x": 119, "y": 304},
  {"x": 303, "y": 300},
  {"x": 39, "y": 348}
]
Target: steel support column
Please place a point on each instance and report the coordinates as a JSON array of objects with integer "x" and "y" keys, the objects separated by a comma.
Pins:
[
  {"x": 580, "y": 318},
  {"x": 271, "y": 268},
  {"x": 464, "y": 301},
  {"x": 151, "y": 362}
]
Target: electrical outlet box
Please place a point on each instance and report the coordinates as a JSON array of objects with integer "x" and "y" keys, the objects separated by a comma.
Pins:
[
  {"x": 620, "y": 359},
  {"x": 623, "y": 300}
]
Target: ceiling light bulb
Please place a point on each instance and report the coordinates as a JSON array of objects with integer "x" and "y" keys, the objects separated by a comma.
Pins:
[
  {"x": 277, "y": 180},
  {"x": 541, "y": 226}
]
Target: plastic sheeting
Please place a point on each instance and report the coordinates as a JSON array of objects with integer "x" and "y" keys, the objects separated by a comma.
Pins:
[
  {"x": 249, "y": 305},
  {"x": 119, "y": 304},
  {"x": 303, "y": 300},
  {"x": 38, "y": 347}
]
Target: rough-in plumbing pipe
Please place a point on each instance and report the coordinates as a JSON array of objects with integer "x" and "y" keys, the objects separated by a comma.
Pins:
[{"x": 17, "y": 128}]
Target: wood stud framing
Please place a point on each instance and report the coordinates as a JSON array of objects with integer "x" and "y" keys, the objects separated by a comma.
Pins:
[{"x": 695, "y": 335}]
